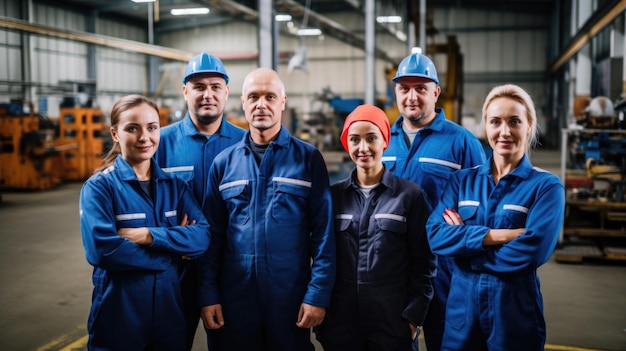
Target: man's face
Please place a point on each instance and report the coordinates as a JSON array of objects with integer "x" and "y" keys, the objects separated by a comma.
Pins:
[
  {"x": 206, "y": 96},
  {"x": 416, "y": 98},
  {"x": 263, "y": 99}
]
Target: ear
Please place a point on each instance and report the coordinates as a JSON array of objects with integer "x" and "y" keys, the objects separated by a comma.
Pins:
[
  {"x": 114, "y": 134},
  {"x": 437, "y": 91},
  {"x": 185, "y": 92}
]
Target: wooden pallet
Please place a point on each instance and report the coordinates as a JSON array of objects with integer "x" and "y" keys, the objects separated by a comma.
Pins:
[
  {"x": 615, "y": 253},
  {"x": 580, "y": 253},
  {"x": 577, "y": 253}
]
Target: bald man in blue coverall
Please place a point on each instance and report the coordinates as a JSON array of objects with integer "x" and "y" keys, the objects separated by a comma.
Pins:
[{"x": 268, "y": 276}]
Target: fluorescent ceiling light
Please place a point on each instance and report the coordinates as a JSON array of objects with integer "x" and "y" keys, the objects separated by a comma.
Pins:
[
  {"x": 400, "y": 35},
  {"x": 142, "y": 0},
  {"x": 283, "y": 18},
  {"x": 190, "y": 11},
  {"x": 305, "y": 32},
  {"x": 388, "y": 19}
]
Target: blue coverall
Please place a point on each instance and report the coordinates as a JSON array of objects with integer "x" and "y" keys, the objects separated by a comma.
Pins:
[
  {"x": 136, "y": 303},
  {"x": 438, "y": 150},
  {"x": 274, "y": 243},
  {"x": 188, "y": 154},
  {"x": 494, "y": 301},
  {"x": 384, "y": 266}
]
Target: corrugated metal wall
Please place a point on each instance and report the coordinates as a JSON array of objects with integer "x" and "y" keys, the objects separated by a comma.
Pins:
[
  {"x": 10, "y": 54},
  {"x": 121, "y": 71}
]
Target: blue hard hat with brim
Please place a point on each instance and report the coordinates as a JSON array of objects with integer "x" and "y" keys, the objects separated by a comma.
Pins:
[
  {"x": 205, "y": 63},
  {"x": 417, "y": 65}
]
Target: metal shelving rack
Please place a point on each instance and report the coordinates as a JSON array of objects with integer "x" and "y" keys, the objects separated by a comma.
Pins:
[{"x": 595, "y": 220}]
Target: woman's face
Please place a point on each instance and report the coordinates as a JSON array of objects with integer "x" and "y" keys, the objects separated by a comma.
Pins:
[
  {"x": 366, "y": 144},
  {"x": 507, "y": 127},
  {"x": 137, "y": 133}
]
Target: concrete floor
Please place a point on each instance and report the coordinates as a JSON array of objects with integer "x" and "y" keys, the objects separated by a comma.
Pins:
[{"x": 46, "y": 283}]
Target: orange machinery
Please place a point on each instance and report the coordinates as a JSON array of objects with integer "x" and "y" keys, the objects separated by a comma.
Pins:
[
  {"x": 83, "y": 127},
  {"x": 28, "y": 158}
]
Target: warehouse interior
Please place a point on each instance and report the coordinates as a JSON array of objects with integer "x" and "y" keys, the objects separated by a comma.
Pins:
[{"x": 65, "y": 62}]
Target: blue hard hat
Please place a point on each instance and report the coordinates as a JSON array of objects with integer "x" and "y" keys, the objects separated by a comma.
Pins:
[
  {"x": 417, "y": 65},
  {"x": 204, "y": 63}
]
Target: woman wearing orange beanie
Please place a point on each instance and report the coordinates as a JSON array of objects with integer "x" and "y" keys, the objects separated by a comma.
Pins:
[{"x": 384, "y": 264}]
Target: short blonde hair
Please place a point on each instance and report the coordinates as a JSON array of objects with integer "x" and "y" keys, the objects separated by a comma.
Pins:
[{"x": 520, "y": 95}]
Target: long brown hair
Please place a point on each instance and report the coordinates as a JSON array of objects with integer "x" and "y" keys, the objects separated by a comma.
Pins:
[{"x": 124, "y": 103}]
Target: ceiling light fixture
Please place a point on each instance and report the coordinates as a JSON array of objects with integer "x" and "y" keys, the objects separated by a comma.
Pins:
[
  {"x": 142, "y": 0},
  {"x": 283, "y": 18},
  {"x": 190, "y": 11},
  {"x": 400, "y": 35},
  {"x": 308, "y": 32},
  {"x": 388, "y": 19}
]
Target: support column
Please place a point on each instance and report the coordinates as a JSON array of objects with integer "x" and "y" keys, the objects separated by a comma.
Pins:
[
  {"x": 582, "y": 70},
  {"x": 370, "y": 8},
  {"x": 267, "y": 46}
]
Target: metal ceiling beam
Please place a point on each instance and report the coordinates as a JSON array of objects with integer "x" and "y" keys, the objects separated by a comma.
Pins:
[
  {"x": 386, "y": 28},
  {"x": 594, "y": 25},
  {"x": 123, "y": 44},
  {"x": 328, "y": 26},
  {"x": 235, "y": 9}
]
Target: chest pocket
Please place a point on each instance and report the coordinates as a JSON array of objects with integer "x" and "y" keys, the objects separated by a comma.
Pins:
[
  {"x": 391, "y": 233},
  {"x": 439, "y": 168},
  {"x": 171, "y": 218},
  {"x": 183, "y": 172},
  {"x": 391, "y": 222},
  {"x": 342, "y": 222},
  {"x": 345, "y": 237},
  {"x": 131, "y": 220},
  {"x": 237, "y": 200},
  {"x": 290, "y": 202},
  {"x": 390, "y": 162},
  {"x": 515, "y": 215},
  {"x": 467, "y": 210}
]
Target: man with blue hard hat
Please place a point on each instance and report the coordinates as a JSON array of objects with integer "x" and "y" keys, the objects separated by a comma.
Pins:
[
  {"x": 188, "y": 147},
  {"x": 426, "y": 148}
]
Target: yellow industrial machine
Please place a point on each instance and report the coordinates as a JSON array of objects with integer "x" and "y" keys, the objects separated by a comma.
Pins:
[
  {"x": 84, "y": 127},
  {"x": 28, "y": 158}
]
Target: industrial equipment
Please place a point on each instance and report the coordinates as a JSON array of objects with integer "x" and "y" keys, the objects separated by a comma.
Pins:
[
  {"x": 28, "y": 158},
  {"x": 164, "y": 116},
  {"x": 595, "y": 182},
  {"x": 84, "y": 127},
  {"x": 601, "y": 113},
  {"x": 322, "y": 125}
]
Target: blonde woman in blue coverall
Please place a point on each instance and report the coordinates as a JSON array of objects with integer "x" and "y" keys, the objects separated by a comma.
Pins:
[
  {"x": 136, "y": 223},
  {"x": 384, "y": 264},
  {"x": 427, "y": 149},
  {"x": 500, "y": 221},
  {"x": 267, "y": 278},
  {"x": 187, "y": 150}
]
